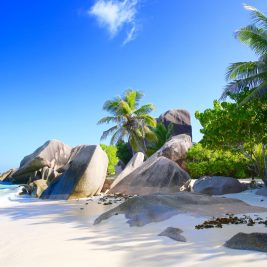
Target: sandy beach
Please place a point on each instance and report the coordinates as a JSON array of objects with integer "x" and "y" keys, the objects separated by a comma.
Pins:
[{"x": 37, "y": 233}]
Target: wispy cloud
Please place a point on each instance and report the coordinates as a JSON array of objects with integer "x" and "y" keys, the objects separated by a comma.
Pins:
[{"x": 116, "y": 15}]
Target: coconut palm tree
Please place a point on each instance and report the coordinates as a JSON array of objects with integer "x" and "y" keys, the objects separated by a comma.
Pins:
[
  {"x": 252, "y": 74},
  {"x": 131, "y": 121}
]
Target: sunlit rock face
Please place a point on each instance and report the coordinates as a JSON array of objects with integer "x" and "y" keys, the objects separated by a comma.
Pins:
[
  {"x": 157, "y": 174},
  {"x": 52, "y": 155},
  {"x": 84, "y": 174}
]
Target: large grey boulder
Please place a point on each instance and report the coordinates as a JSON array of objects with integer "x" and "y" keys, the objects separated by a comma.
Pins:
[
  {"x": 136, "y": 161},
  {"x": 180, "y": 119},
  {"x": 176, "y": 148},
  {"x": 83, "y": 176},
  {"x": 262, "y": 192},
  {"x": 254, "y": 241},
  {"x": 154, "y": 175},
  {"x": 142, "y": 210},
  {"x": 217, "y": 185},
  {"x": 53, "y": 154}
]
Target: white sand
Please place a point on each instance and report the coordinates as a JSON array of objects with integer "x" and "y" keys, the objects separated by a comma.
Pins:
[{"x": 37, "y": 233}]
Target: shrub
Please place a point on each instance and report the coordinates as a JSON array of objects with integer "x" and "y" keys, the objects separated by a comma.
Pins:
[
  {"x": 112, "y": 157},
  {"x": 124, "y": 152},
  {"x": 202, "y": 161}
]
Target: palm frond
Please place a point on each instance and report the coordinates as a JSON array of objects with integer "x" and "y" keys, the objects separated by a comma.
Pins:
[
  {"x": 242, "y": 70},
  {"x": 112, "y": 106},
  {"x": 257, "y": 92},
  {"x": 108, "y": 120},
  {"x": 108, "y": 132},
  {"x": 147, "y": 119},
  {"x": 255, "y": 38},
  {"x": 145, "y": 109},
  {"x": 257, "y": 16},
  {"x": 238, "y": 86},
  {"x": 117, "y": 136},
  {"x": 132, "y": 97},
  {"x": 124, "y": 108}
]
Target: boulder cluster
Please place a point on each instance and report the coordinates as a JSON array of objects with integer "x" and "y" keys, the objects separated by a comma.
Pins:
[{"x": 57, "y": 171}]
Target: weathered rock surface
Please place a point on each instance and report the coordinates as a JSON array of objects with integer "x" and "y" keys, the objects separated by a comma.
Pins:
[
  {"x": 173, "y": 233},
  {"x": 119, "y": 167},
  {"x": 180, "y": 119},
  {"x": 53, "y": 154},
  {"x": 83, "y": 176},
  {"x": 262, "y": 192},
  {"x": 136, "y": 161},
  {"x": 154, "y": 175},
  {"x": 142, "y": 210},
  {"x": 217, "y": 185},
  {"x": 254, "y": 241},
  {"x": 38, "y": 187},
  {"x": 6, "y": 175},
  {"x": 176, "y": 148}
]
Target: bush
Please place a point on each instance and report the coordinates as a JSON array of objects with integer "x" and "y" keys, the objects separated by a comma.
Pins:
[
  {"x": 112, "y": 158},
  {"x": 202, "y": 161},
  {"x": 124, "y": 152}
]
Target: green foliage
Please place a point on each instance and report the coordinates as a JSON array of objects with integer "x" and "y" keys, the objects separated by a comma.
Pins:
[
  {"x": 252, "y": 74},
  {"x": 112, "y": 157},
  {"x": 124, "y": 152},
  {"x": 162, "y": 135},
  {"x": 238, "y": 128},
  {"x": 131, "y": 121},
  {"x": 202, "y": 161}
]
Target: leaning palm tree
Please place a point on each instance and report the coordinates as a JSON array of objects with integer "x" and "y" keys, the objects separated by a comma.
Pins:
[
  {"x": 252, "y": 74},
  {"x": 131, "y": 121}
]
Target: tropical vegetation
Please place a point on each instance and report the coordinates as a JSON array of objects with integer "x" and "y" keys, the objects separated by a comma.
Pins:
[
  {"x": 230, "y": 126},
  {"x": 112, "y": 158},
  {"x": 132, "y": 121},
  {"x": 161, "y": 135},
  {"x": 251, "y": 74},
  {"x": 203, "y": 161}
]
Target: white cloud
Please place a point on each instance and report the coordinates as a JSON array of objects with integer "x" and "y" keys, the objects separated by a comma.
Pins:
[{"x": 116, "y": 14}]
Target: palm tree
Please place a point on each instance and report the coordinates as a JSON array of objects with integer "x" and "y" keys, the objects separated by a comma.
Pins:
[
  {"x": 252, "y": 74},
  {"x": 131, "y": 121}
]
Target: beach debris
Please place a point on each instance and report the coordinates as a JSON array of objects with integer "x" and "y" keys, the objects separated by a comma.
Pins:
[
  {"x": 231, "y": 219},
  {"x": 113, "y": 199}
]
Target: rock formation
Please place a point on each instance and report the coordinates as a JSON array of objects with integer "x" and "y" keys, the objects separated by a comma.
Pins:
[
  {"x": 6, "y": 175},
  {"x": 136, "y": 161},
  {"x": 253, "y": 241},
  {"x": 84, "y": 175},
  {"x": 53, "y": 155},
  {"x": 173, "y": 233},
  {"x": 217, "y": 185},
  {"x": 180, "y": 119},
  {"x": 154, "y": 175},
  {"x": 176, "y": 148},
  {"x": 142, "y": 210}
]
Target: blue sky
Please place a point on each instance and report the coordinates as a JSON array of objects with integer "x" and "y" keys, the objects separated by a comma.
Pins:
[{"x": 60, "y": 60}]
